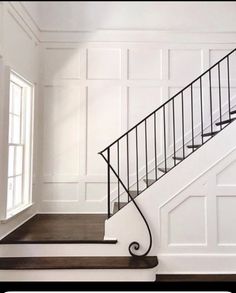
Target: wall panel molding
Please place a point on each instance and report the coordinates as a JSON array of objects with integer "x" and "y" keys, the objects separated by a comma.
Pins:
[{"x": 110, "y": 90}]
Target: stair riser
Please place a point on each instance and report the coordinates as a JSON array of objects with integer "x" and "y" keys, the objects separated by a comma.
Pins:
[
  {"x": 79, "y": 275},
  {"x": 27, "y": 250}
]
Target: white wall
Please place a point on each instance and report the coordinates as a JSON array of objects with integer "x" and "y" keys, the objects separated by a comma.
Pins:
[
  {"x": 19, "y": 50},
  {"x": 95, "y": 85},
  {"x": 96, "y": 90}
]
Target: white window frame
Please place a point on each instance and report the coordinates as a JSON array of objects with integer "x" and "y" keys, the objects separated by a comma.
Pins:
[{"x": 26, "y": 142}]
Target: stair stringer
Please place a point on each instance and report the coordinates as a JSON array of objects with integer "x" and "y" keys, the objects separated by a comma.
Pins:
[{"x": 195, "y": 176}]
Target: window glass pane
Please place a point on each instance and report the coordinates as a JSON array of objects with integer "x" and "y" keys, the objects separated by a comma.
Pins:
[
  {"x": 17, "y": 100},
  {"x": 18, "y": 191},
  {"x": 19, "y": 160},
  {"x": 10, "y": 194},
  {"x": 11, "y": 98},
  {"x": 16, "y": 129},
  {"x": 10, "y": 128},
  {"x": 11, "y": 161}
]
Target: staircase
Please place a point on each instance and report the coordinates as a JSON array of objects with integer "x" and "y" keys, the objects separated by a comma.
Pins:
[
  {"x": 166, "y": 137},
  {"x": 138, "y": 159}
]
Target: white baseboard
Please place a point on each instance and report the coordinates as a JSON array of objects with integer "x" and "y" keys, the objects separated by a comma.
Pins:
[{"x": 196, "y": 264}]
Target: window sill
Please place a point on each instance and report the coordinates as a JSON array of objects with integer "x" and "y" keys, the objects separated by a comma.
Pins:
[{"x": 16, "y": 212}]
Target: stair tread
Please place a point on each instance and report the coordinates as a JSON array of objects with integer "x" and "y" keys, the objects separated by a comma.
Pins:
[
  {"x": 121, "y": 262},
  {"x": 210, "y": 133},
  {"x": 194, "y": 146},
  {"x": 164, "y": 170},
  {"x": 149, "y": 181},
  {"x": 178, "y": 158},
  {"x": 233, "y": 112},
  {"x": 116, "y": 206},
  {"x": 39, "y": 241},
  {"x": 225, "y": 121},
  {"x": 134, "y": 193}
]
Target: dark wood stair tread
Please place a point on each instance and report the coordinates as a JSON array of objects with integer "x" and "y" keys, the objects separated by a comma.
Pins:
[
  {"x": 225, "y": 121},
  {"x": 178, "y": 158},
  {"x": 195, "y": 146},
  {"x": 117, "y": 207},
  {"x": 118, "y": 262},
  {"x": 210, "y": 133},
  {"x": 149, "y": 181},
  {"x": 49, "y": 241},
  {"x": 164, "y": 170},
  {"x": 134, "y": 193},
  {"x": 233, "y": 112}
]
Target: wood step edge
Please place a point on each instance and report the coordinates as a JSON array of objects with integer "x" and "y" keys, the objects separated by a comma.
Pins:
[
  {"x": 102, "y": 241},
  {"x": 210, "y": 133},
  {"x": 194, "y": 146},
  {"x": 225, "y": 121},
  {"x": 40, "y": 263}
]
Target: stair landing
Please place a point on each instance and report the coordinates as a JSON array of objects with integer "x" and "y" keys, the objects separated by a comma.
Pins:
[{"x": 60, "y": 228}]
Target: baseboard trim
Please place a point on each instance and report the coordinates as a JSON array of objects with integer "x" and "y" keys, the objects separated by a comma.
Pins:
[{"x": 197, "y": 264}]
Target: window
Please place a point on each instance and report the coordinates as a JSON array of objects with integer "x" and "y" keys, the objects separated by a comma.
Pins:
[{"x": 19, "y": 145}]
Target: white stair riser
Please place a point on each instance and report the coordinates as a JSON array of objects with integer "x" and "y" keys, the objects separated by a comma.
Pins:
[
  {"x": 21, "y": 250},
  {"x": 79, "y": 275}
]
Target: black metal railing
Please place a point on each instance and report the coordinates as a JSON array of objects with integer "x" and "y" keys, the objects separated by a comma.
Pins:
[{"x": 168, "y": 135}]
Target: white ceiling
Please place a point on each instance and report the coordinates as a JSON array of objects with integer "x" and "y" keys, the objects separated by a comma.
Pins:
[{"x": 161, "y": 15}]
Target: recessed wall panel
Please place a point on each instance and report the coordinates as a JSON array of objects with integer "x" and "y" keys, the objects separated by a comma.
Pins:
[
  {"x": 60, "y": 132},
  {"x": 62, "y": 64},
  {"x": 187, "y": 222},
  {"x": 144, "y": 64},
  {"x": 103, "y": 63},
  {"x": 226, "y": 206},
  {"x": 103, "y": 123},
  {"x": 184, "y": 65}
]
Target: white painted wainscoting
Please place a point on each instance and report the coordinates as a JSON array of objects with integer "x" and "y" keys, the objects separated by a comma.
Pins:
[
  {"x": 93, "y": 91},
  {"x": 192, "y": 219}
]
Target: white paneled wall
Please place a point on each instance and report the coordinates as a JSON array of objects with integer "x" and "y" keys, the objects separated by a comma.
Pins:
[
  {"x": 19, "y": 51},
  {"x": 95, "y": 91},
  {"x": 191, "y": 213}
]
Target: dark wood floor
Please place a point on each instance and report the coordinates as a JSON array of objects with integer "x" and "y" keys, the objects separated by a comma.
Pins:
[
  {"x": 60, "y": 228},
  {"x": 120, "y": 262},
  {"x": 197, "y": 278}
]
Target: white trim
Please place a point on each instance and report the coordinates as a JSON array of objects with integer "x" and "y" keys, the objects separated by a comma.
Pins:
[
  {"x": 16, "y": 211},
  {"x": 93, "y": 275},
  {"x": 20, "y": 210},
  {"x": 196, "y": 263},
  {"x": 33, "y": 30}
]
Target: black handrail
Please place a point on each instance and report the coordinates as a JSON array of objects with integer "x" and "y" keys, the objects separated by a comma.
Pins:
[
  {"x": 132, "y": 128},
  {"x": 123, "y": 173}
]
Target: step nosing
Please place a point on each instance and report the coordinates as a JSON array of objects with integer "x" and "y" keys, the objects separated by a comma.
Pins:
[
  {"x": 84, "y": 262},
  {"x": 60, "y": 242},
  {"x": 225, "y": 121}
]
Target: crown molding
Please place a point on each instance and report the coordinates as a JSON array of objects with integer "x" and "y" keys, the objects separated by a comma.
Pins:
[
  {"x": 30, "y": 16},
  {"x": 119, "y": 34},
  {"x": 17, "y": 8}
]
